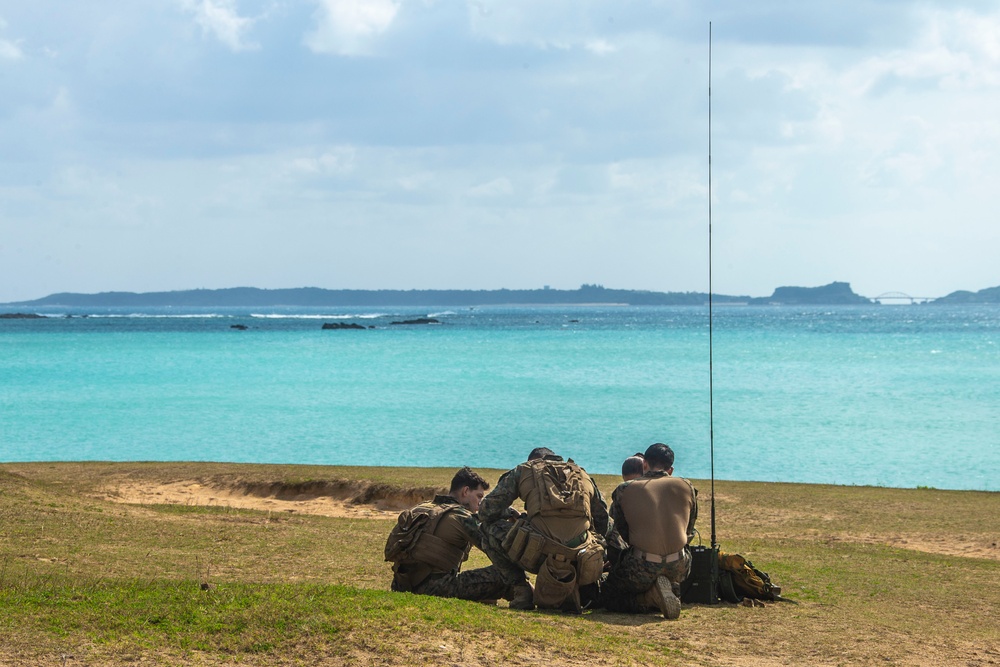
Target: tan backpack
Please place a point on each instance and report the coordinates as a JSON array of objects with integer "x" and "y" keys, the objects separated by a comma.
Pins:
[
  {"x": 560, "y": 488},
  {"x": 412, "y": 539},
  {"x": 740, "y": 579}
]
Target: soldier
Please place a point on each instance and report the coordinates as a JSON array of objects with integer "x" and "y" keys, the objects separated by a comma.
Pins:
[
  {"x": 655, "y": 514},
  {"x": 633, "y": 467},
  {"x": 432, "y": 540},
  {"x": 556, "y": 537}
]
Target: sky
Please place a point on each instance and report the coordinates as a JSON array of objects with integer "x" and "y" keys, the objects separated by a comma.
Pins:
[{"x": 162, "y": 145}]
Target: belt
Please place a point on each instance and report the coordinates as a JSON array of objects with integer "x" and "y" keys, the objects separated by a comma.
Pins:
[
  {"x": 657, "y": 558},
  {"x": 578, "y": 540}
]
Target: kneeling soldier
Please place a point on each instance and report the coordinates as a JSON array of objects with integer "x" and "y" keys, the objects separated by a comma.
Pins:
[
  {"x": 655, "y": 514},
  {"x": 431, "y": 541},
  {"x": 560, "y": 537}
]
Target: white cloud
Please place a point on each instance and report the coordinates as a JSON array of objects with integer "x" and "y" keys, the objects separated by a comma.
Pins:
[
  {"x": 348, "y": 27},
  {"x": 600, "y": 47},
  {"x": 560, "y": 25},
  {"x": 9, "y": 50},
  {"x": 221, "y": 19},
  {"x": 498, "y": 187},
  {"x": 331, "y": 162},
  {"x": 954, "y": 50},
  {"x": 499, "y": 124}
]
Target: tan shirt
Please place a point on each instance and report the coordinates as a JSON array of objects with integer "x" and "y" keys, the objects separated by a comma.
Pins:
[{"x": 656, "y": 512}]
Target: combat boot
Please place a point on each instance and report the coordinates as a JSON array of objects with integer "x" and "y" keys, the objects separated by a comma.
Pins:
[
  {"x": 661, "y": 597},
  {"x": 523, "y": 597}
]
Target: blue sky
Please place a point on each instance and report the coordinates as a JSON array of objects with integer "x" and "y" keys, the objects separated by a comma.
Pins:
[{"x": 435, "y": 144}]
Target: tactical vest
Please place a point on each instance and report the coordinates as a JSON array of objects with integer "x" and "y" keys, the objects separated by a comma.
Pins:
[
  {"x": 414, "y": 540},
  {"x": 555, "y": 489}
]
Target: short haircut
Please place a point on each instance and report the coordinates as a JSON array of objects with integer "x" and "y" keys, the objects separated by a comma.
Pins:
[
  {"x": 660, "y": 455},
  {"x": 540, "y": 453},
  {"x": 632, "y": 466},
  {"x": 468, "y": 477}
]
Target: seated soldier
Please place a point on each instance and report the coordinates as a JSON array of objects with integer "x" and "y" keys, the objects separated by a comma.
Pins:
[
  {"x": 439, "y": 535},
  {"x": 633, "y": 467},
  {"x": 655, "y": 515},
  {"x": 559, "y": 537}
]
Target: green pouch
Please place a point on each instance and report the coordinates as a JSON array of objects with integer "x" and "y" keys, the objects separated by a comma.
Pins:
[
  {"x": 534, "y": 552},
  {"x": 555, "y": 582}
]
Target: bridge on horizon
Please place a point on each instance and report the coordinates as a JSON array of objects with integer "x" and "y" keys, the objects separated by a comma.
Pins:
[{"x": 899, "y": 297}]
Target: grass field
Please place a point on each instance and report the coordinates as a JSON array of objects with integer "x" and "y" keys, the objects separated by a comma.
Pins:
[{"x": 879, "y": 576}]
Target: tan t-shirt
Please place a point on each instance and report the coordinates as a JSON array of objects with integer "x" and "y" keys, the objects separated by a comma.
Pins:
[{"x": 659, "y": 511}]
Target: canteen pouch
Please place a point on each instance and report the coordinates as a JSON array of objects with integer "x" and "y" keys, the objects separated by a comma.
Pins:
[
  {"x": 589, "y": 563},
  {"x": 555, "y": 582},
  {"x": 534, "y": 552},
  {"x": 524, "y": 547},
  {"x": 515, "y": 541}
]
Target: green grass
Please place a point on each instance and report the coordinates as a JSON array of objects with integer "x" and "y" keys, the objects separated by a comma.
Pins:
[{"x": 111, "y": 583}]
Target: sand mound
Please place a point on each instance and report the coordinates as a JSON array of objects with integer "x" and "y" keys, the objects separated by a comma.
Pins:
[
  {"x": 337, "y": 498},
  {"x": 363, "y": 499}
]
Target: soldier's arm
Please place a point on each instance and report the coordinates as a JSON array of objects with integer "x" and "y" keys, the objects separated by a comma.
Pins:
[
  {"x": 599, "y": 511},
  {"x": 470, "y": 527},
  {"x": 618, "y": 516},
  {"x": 694, "y": 513},
  {"x": 496, "y": 504}
]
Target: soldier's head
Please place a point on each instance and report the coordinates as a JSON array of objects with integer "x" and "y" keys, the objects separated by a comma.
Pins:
[
  {"x": 468, "y": 488},
  {"x": 540, "y": 453},
  {"x": 634, "y": 466},
  {"x": 660, "y": 457}
]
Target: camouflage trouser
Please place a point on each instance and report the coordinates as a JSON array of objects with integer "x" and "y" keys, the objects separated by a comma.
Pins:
[
  {"x": 493, "y": 536},
  {"x": 485, "y": 583},
  {"x": 631, "y": 577}
]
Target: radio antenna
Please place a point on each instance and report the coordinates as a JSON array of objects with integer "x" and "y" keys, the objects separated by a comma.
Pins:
[{"x": 711, "y": 368}]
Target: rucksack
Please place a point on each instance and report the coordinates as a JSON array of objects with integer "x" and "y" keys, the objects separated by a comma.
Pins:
[
  {"x": 413, "y": 539},
  {"x": 740, "y": 579},
  {"x": 560, "y": 489}
]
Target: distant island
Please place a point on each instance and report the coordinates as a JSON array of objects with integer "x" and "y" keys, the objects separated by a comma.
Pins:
[
  {"x": 836, "y": 293},
  {"x": 988, "y": 295}
]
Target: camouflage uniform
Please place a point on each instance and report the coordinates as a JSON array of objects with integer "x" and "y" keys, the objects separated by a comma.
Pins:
[
  {"x": 631, "y": 575},
  {"x": 485, "y": 583},
  {"x": 497, "y": 518}
]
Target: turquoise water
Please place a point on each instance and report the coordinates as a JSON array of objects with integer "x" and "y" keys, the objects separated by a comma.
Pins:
[{"x": 885, "y": 395}]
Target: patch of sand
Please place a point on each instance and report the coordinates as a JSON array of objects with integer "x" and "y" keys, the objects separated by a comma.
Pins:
[
  {"x": 366, "y": 500},
  {"x": 968, "y": 547},
  {"x": 273, "y": 498}
]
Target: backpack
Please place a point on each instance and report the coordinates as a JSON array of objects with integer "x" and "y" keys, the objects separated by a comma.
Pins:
[
  {"x": 740, "y": 579},
  {"x": 559, "y": 489},
  {"x": 412, "y": 538}
]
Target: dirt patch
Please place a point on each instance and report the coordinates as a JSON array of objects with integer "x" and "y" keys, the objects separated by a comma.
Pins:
[
  {"x": 335, "y": 498},
  {"x": 369, "y": 500},
  {"x": 967, "y": 547}
]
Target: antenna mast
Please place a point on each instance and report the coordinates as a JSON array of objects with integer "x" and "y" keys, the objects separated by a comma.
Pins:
[{"x": 711, "y": 369}]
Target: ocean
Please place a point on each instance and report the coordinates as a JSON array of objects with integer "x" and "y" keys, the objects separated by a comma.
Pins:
[{"x": 899, "y": 396}]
